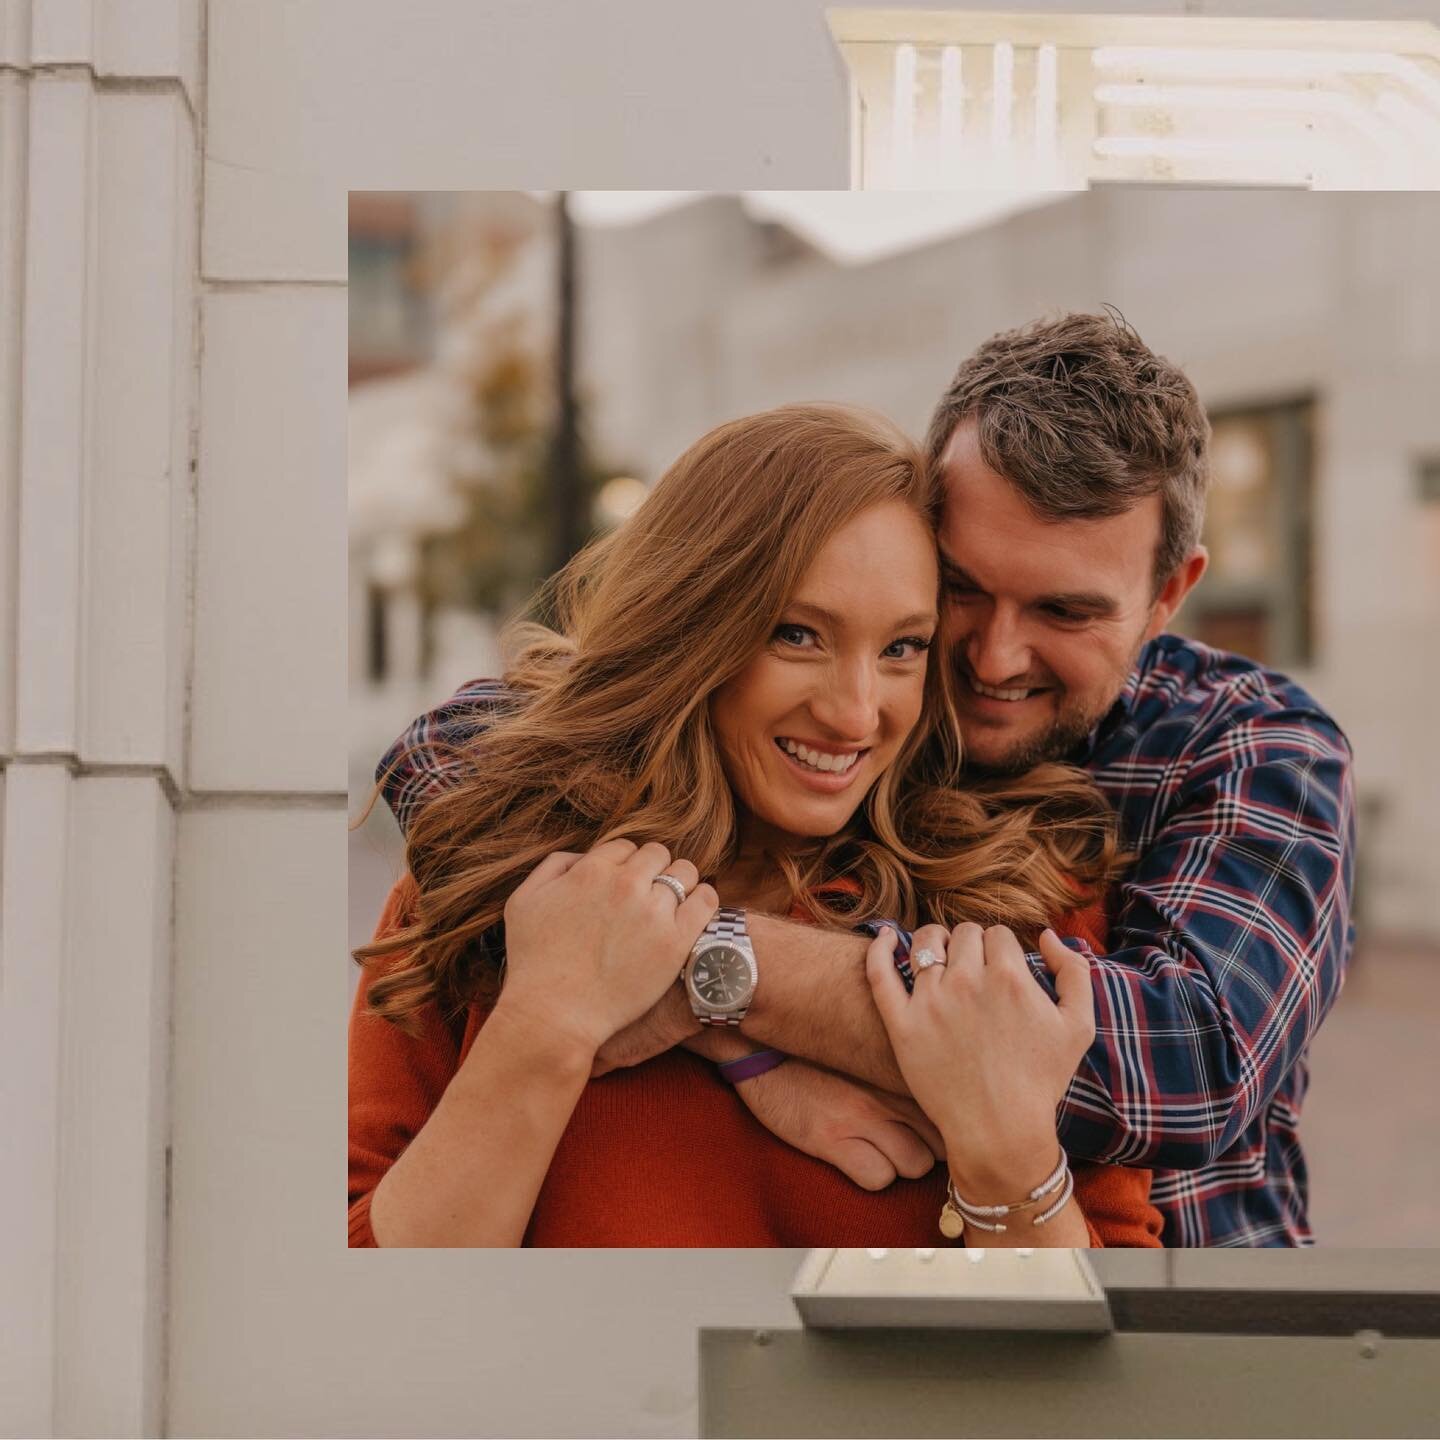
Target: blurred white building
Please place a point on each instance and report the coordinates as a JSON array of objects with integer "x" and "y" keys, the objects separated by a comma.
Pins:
[{"x": 1309, "y": 322}]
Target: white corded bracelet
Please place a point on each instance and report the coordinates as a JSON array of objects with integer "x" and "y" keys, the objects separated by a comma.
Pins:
[{"x": 957, "y": 1212}]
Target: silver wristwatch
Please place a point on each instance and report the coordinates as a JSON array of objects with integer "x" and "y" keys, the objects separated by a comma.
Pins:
[{"x": 719, "y": 976}]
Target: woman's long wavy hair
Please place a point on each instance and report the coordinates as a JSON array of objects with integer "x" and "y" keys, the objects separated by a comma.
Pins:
[{"x": 610, "y": 733}]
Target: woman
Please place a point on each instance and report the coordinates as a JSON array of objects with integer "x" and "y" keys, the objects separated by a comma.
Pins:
[{"x": 741, "y": 698}]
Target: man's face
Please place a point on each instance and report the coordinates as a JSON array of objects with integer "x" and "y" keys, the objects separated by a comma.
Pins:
[{"x": 1045, "y": 618}]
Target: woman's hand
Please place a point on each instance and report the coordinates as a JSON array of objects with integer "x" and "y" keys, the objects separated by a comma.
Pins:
[
  {"x": 591, "y": 941},
  {"x": 984, "y": 1049}
]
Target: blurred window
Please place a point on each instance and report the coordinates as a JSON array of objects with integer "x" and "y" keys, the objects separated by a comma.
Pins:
[{"x": 1256, "y": 598}]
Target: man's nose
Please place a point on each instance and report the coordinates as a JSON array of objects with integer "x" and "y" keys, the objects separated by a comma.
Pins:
[
  {"x": 996, "y": 649},
  {"x": 848, "y": 704}
]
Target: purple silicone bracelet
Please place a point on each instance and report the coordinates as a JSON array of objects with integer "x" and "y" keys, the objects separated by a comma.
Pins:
[{"x": 747, "y": 1067}]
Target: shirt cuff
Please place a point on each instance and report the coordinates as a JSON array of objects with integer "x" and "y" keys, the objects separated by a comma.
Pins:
[{"x": 872, "y": 928}]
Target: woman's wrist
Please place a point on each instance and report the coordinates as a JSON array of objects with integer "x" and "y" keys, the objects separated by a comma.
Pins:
[
  {"x": 997, "y": 1178},
  {"x": 553, "y": 1046}
]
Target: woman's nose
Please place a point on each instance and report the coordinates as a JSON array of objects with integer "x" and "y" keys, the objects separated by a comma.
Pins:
[{"x": 848, "y": 706}]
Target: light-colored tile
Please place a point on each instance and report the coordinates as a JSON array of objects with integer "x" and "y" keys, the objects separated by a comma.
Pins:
[
  {"x": 133, "y": 645},
  {"x": 59, "y": 290},
  {"x": 15, "y": 34},
  {"x": 115, "y": 1050},
  {"x": 14, "y": 127},
  {"x": 157, "y": 39},
  {"x": 275, "y": 179},
  {"x": 264, "y": 224},
  {"x": 62, "y": 32},
  {"x": 755, "y": 88},
  {"x": 270, "y": 625},
  {"x": 36, "y": 825}
]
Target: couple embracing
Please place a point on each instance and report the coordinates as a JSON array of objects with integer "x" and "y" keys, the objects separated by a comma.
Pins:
[{"x": 854, "y": 859}]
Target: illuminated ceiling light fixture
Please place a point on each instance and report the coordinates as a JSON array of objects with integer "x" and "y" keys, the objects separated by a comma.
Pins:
[
  {"x": 956, "y": 99},
  {"x": 957, "y": 1288}
]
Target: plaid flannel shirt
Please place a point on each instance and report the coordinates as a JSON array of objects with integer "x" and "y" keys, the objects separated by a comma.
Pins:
[{"x": 1229, "y": 935}]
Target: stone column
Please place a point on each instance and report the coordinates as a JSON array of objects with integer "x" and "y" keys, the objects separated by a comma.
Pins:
[{"x": 99, "y": 139}]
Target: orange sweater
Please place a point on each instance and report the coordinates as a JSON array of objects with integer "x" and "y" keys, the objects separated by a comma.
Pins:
[{"x": 666, "y": 1153}]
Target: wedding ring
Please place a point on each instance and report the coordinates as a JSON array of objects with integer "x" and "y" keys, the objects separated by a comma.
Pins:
[
  {"x": 924, "y": 959},
  {"x": 671, "y": 883}
]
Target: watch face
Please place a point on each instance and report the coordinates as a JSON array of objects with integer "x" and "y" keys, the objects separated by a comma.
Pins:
[{"x": 721, "y": 976}]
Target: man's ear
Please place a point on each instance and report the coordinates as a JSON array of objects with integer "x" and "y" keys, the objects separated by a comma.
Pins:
[{"x": 1172, "y": 594}]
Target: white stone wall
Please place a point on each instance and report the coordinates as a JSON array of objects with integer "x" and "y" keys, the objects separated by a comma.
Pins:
[
  {"x": 172, "y": 690},
  {"x": 99, "y": 139}
]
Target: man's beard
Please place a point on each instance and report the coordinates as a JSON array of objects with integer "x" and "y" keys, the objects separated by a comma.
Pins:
[
  {"x": 1065, "y": 734},
  {"x": 1060, "y": 740}
]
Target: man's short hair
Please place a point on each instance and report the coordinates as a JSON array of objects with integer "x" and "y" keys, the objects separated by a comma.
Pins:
[{"x": 1085, "y": 420}]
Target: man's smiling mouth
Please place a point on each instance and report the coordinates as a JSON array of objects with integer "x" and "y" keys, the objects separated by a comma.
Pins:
[{"x": 992, "y": 692}]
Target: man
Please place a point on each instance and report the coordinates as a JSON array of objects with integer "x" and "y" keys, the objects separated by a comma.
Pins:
[{"x": 1075, "y": 464}]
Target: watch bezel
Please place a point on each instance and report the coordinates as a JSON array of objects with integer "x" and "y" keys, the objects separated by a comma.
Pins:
[{"x": 709, "y": 1007}]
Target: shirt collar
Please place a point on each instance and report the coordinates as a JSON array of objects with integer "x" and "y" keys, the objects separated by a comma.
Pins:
[{"x": 1119, "y": 711}]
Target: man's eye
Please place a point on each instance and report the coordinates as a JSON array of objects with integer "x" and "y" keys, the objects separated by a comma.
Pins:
[
  {"x": 958, "y": 590},
  {"x": 1065, "y": 617}
]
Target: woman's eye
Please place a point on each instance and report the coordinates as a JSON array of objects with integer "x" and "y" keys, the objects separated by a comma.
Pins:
[
  {"x": 796, "y": 636},
  {"x": 907, "y": 649}
]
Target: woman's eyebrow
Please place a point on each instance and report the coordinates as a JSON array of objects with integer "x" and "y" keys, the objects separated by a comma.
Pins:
[{"x": 837, "y": 622}]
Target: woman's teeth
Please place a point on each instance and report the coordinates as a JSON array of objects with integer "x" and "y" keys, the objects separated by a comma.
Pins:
[{"x": 818, "y": 759}]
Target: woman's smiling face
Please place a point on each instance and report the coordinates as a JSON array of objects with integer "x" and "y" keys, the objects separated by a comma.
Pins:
[{"x": 821, "y": 712}]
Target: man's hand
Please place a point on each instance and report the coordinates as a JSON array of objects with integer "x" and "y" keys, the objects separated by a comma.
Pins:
[
  {"x": 866, "y": 1134},
  {"x": 663, "y": 1026}
]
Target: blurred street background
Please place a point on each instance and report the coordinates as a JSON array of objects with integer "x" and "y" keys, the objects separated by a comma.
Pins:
[{"x": 523, "y": 366}]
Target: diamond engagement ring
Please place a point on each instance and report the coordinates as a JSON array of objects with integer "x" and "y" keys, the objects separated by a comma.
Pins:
[
  {"x": 671, "y": 883},
  {"x": 924, "y": 959}
]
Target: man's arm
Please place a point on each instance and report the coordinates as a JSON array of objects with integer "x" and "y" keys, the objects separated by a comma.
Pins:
[
  {"x": 814, "y": 1000},
  {"x": 1227, "y": 950}
]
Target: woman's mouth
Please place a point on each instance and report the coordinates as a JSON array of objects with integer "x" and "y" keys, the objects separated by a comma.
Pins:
[{"x": 828, "y": 771}]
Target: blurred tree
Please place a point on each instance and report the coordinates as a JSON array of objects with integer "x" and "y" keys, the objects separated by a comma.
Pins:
[
  {"x": 520, "y": 465},
  {"x": 570, "y": 508}
]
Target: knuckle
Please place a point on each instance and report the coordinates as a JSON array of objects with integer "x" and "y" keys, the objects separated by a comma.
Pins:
[{"x": 967, "y": 934}]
